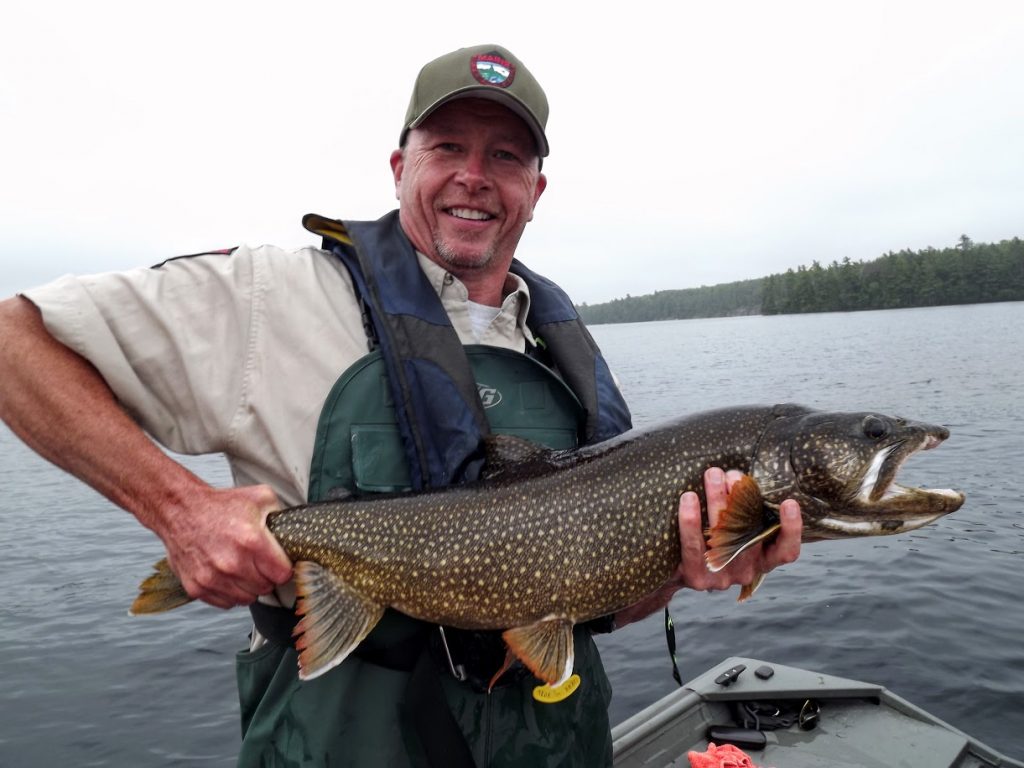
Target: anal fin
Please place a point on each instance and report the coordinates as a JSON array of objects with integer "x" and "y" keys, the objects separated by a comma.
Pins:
[
  {"x": 335, "y": 619},
  {"x": 545, "y": 647}
]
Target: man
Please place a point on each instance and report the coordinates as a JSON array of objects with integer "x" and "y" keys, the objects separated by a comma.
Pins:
[{"x": 261, "y": 354}]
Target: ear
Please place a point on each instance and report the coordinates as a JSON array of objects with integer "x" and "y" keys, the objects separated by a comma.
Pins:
[
  {"x": 397, "y": 166},
  {"x": 542, "y": 183}
]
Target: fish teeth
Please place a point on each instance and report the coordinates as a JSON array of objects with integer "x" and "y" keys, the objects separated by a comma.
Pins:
[
  {"x": 870, "y": 480},
  {"x": 893, "y": 491}
]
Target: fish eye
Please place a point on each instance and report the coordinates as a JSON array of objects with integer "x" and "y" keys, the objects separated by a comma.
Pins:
[{"x": 875, "y": 428}]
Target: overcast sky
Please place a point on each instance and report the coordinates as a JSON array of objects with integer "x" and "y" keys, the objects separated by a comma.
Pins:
[{"x": 692, "y": 143}]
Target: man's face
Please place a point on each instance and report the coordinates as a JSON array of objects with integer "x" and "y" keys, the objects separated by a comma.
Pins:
[{"x": 467, "y": 181}]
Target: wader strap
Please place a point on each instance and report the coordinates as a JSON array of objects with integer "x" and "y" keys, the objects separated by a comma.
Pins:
[
  {"x": 274, "y": 623},
  {"x": 426, "y": 713}
]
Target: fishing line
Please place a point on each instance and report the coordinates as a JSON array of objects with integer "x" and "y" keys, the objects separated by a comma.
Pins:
[{"x": 670, "y": 638}]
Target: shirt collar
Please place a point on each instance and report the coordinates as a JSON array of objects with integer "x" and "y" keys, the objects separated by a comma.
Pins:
[{"x": 515, "y": 306}]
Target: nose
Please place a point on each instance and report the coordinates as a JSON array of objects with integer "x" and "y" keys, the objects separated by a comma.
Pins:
[{"x": 472, "y": 173}]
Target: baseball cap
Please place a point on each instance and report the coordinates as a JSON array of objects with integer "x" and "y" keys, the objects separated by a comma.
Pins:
[{"x": 483, "y": 72}]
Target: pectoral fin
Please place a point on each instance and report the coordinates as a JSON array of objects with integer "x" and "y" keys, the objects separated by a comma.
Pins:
[
  {"x": 335, "y": 619},
  {"x": 739, "y": 527},
  {"x": 545, "y": 647}
]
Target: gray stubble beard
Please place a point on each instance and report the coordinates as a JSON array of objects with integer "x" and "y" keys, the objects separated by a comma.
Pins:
[{"x": 452, "y": 258}]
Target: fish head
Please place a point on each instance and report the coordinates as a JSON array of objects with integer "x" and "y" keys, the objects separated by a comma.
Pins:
[{"x": 842, "y": 468}]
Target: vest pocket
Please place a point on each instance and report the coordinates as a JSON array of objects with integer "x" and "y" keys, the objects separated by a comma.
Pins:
[
  {"x": 254, "y": 672},
  {"x": 378, "y": 459}
]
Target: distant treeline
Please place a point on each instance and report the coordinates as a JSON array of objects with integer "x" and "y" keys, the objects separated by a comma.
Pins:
[{"x": 967, "y": 273}]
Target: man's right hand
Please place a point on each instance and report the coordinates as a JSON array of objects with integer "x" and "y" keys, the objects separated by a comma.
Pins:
[
  {"x": 221, "y": 549},
  {"x": 217, "y": 540}
]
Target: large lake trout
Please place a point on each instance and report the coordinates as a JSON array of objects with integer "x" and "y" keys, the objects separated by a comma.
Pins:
[{"x": 552, "y": 538}]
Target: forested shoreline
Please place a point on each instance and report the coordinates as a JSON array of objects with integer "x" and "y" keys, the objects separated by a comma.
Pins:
[{"x": 967, "y": 273}]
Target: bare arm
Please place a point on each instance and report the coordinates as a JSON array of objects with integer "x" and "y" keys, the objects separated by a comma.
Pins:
[
  {"x": 55, "y": 401},
  {"x": 692, "y": 572}
]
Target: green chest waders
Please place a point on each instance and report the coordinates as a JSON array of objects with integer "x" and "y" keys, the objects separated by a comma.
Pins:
[{"x": 366, "y": 713}]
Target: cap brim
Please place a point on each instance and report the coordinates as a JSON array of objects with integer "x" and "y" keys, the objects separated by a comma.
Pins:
[{"x": 490, "y": 93}]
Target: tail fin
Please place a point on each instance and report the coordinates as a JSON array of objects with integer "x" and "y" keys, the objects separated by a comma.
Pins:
[{"x": 161, "y": 592}]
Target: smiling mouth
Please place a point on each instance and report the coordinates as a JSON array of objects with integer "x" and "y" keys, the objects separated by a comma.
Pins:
[{"x": 469, "y": 214}]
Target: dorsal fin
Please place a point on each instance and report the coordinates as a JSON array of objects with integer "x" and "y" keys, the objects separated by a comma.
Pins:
[{"x": 511, "y": 456}]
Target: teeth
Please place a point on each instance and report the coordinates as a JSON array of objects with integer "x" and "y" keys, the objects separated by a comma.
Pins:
[
  {"x": 469, "y": 213},
  {"x": 867, "y": 485},
  {"x": 893, "y": 491}
]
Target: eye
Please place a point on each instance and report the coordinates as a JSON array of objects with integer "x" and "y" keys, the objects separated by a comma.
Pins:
[
  {"x": 504, "y": 154},
  {"x": 875, "y": 428}
]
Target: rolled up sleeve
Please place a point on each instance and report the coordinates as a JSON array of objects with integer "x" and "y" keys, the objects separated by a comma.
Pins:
[{"x": 171, "y": 341}]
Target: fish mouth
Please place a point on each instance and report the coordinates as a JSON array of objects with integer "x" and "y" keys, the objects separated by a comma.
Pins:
[
  {"x": 879, "y": 482},
  {"x": 881, "y": 506}
]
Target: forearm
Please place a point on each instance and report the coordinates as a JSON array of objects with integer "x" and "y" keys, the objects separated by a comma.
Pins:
[
  {"x": 57, "y": 402},
  {"x": 60, "y": 406}
]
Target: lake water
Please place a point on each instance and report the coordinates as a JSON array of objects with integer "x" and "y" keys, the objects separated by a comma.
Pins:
[{"x": 935, "y": 615}]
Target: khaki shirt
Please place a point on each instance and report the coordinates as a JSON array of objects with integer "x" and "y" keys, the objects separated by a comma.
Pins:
[{"x": 236, "y": 353}]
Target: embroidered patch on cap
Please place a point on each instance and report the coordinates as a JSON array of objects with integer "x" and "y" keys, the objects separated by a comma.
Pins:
[{"x": 492, "y": 69}]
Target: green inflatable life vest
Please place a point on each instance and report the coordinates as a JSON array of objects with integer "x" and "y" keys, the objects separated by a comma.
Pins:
[
  {"x": 374, "y": 710},
  {"x": 361, "y": 450}
]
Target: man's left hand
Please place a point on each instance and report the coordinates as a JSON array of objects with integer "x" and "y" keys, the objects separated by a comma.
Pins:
[
  {"x": 759, "y": 559},
  {"x": 693, "y": 572}
]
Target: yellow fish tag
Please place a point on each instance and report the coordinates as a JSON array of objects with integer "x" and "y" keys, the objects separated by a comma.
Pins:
[{"x": 552, "y": 694}]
